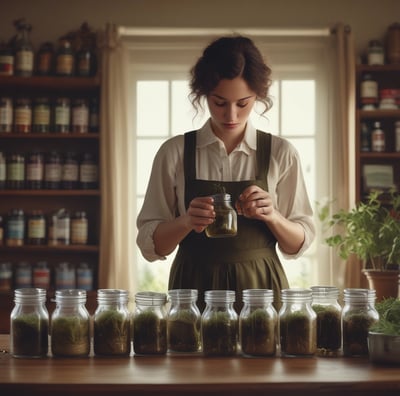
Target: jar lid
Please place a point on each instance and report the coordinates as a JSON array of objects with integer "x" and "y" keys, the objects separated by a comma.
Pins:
[
  {"x": 183, "y": 295},
  {"x": 71, "y": 296},
  {"x": 325, "y": 291},
  {"x": 220, "y": 296},
  {"x": 28, "y": 295},
  {"x": 258, "y": 295},
  {"x": 296, "y": 294},
  {"x": 359, "y": 295},
  {"x": 150, "y": 298},
  {"x": 112, "y": 295}
]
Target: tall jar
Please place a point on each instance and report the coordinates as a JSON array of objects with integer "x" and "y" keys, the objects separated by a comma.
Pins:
[
  {"x": 70, "y": 324},
  {"x": 183, "y": 321},
  {"x": 225, "y": 223},
  {"x": 62, "y": 115},
  {"x": 358, "y": 315},
  {"x": 15, "y": 171},
  {"x": 150, "y": 324},
  {"x": 53, "y": 170},
  {"x": 79, "y": 228},
  {"x": 36, "y": 225},
  {"x": 6, "y": 114},
  {"x": 219, "y": 324},
  {"x": 34, "y": 170},
  {"x": 23, "y": 115},
  {"x": 80, "y": 116},
  {"x": 258, "y": 323},
  {"x": 29, "y": 324},
  {"x": 88, "y": 172},
  {"x": 65, "y": 58},
  {"x": 329, "y": 331},
  {"x": 297, "y": 323},
  {"x": 111, "y": 323},
  {"x": 24, "y": 54},
  {"x": 70, "y": 172},
  {"x": 15, "y": 230},
  {"x": 41, "y": 115}
]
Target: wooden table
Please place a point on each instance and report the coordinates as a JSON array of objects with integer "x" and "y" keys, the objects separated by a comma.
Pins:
[{"x": 195, "y": 376}]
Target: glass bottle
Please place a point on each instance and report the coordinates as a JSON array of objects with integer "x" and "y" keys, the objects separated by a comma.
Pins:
[
  {"x": 378, "y": 138},
  {"x": 85, "y": 62},
  {"x": 329, "y": 329},
  {"x": 225, "y": 223},
  {"x": 183, "y": 321},
  {"x": 23, "y": 115},
  {"x": 53, "y": 170},
  {"x": 41, "y": 115},
  {"x": 62, "y": 115},
  {"x": 365, "y": 138},
  {"x": 15, "y": 171},
  {"x": 150, "y": 324},
  {"x": 29, "y": 324},
  {"x": 6, "y": 276},
  {"x": 88, "y": 172},
  {"x": 24, "y": 56},
  {"x": 70, "y": 324},
  {"x": 23, "y": 275},
  {"x": 94, "y": 118},
  {"x": 70, "y": 171},
  {"x": 111, "y": 323},
  {"x": 219, "y": 324},
  {"x": 376, "y": 53},
  {"x": 258, "y": 323},
  {"x": 41, "y": 275},
  {"x": 79, "y": 228},
  {"x": 84, "y": 276},
  {"x": 358, "y": 315},
  {"x": 34, "y": 170},
  {"x": 65, "y": 58},
  {"x": 45, "y": 59},
  {"x": 36, "y": 225},
  {"x": 368, "y": 92},
  {"x": 15, "y": 231},
  {"x": 6, "y": 114},
  {"x": 6, "y": 59},
  {"x": 297, "y": 323},
  {"x": 65, "y": 277},
  {"x": 59, "y": 228},
  {"x": 3, "y": 170},
  {"x": 80, "y": 116}
]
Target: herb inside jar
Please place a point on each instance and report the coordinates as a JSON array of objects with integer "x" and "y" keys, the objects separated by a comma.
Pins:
[
  {"x": 355, "y": 334},
  {"x": 184, "y": 331}
]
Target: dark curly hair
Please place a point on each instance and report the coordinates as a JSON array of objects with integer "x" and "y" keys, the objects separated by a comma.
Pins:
[{"x": 228, "y": 58}]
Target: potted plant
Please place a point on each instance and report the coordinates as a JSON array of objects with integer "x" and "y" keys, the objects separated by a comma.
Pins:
[{"x": 371, "y": 232}]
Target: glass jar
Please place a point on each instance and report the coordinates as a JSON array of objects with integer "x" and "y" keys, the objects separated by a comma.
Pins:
[
  {"x": 24, "y": 54},
  {"x": 15, "y": 171},
  {"x": 329, "y": 312},
  {"x": 219, "y": 324},
  {"x": 15, "y": 231},
  {"x": 111, "y": 323},
  {"x": 85, "y": 62},
  {"x": 36, "y": 225},
  {"x": 23, "y": 275},
  {"x": 62, "y": 115},
  {"x": 29, "y": 324},
  {"x": 79, "y": 229},
  {"x": 6, "y": 114},
  {"x": 393, "y": 43},
  {"x": 88, "y": 172},
  {"x": 34, "y": 170},
  {"x": 258, "y": 323},
  {"x": 45, "y": 59},
  {"x": 297, "y": 323},
  {"x": 94, "y": 118},
  {"x": 3, "y": 170},
  {"x": 59, "y": 228},
  {"x": 225, "y": 223},
  {"x": 53, "y": 170},
  {"x": 150, "y": 324},
  {"x": 65, "y": 58},
  {"x": 376, "y": 53},
  {"x": 23, "y": 115},
  {"x": 80, "y": 116},
  {"x": 378, "y": 141},
  {"x": 368, "y": 92},
  {"x": 84, "y": 276},
  {"x": 70, "y": 324},
  {"x": 6, "y": 60},
  {"x": 41, "y": 115},
  {"x": 358, "y": 315},
  {"x": 41, "y": 275},
  {"x": 183, "y": 321},
  {"x": 6, "y": 276},
  {"x": 65, "y": 276},
  {"x": 70, "y": 171}
]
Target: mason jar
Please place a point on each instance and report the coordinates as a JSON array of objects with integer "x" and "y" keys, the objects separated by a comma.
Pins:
[
  {"x": 183, "y": 321},
  {"x": 297, "y": 323},
  {"x": 111, "y": 323},
  {"x": 219, "y": 323},
  {"x": 29, "y": 324},
  {"x": 225, "y": 223},
  {"x": 258, "y": 323},
  {"x": 150, "y": 324}
]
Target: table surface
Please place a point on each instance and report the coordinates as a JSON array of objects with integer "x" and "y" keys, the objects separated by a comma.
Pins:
[{"x": 194, "y": 375}]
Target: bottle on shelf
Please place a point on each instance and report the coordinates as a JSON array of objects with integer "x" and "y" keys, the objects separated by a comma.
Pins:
[
  {"x": 376, "y": 53},
  {"x": 6, "y": 59},
  {"x": 24, "y": 55},
  {"x": 65, "y": 58},
  {"x": 368, "y": 92},
  {"x": 365, "y": 138},
  {"x": 378, "y": 138},
  {"x": 45, "y": 59},
  {"x": 6, "y": 114}
]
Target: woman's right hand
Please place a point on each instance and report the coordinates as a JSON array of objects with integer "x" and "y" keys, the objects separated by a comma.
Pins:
[{"x": 200, "y": 213}]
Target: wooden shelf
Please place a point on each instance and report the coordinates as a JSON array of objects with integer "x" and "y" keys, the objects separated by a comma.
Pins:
[
  {"x": 50, "y": 193},
  {"x": 50, "y": 135},
  {"x": 374, "y": 114},
  {"x": 50, "y": 248}
]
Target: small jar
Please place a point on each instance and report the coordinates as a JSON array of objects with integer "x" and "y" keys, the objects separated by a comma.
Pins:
[
  {"x": 150, "y": 324},
  {"x": 258, "y": 323},
  {"x": 3, "y": 170},
  {"x": 6, "y": 114},
  {"x": 329, "y": 312},
  {"x": 111, "y": 323},
  {"x": 225, "y": 223},
  {"x": 85, "y": 62},
  {"x": 23, "y": 115},
  {"x": 65, "y": 58},
  {"x": 88, "y": 172},
  {"x": 70, "y": 172},
  {"x": 297, "y": 323},
  {"x": 70, "y": 324},
  {"x": 15, "y": 171},
  {"x": 53, "y": 168},
  {"x": 375, "y": 53},
  {"x": 94, "y": 118},
  {"x": 36, "y": 225},
  {"x": 6, "y": 60},
  {"x": 219, "y": 324},
  {"x": 62, "y": 115},
  {"x": 5, "y": 276},
  {"x": 378, "y": 141},
  {"x": 79, "y": 229},
  {"x": 23, "y": 275},
  {"x": 358, "y": 315},
  {"x": 59, "y": 228},
  {"x": 41, "y": 275},
  {"x": 65, "y": 276},
  {"x": 368, "y": 92},
  {"x": 183, "y": 321},
  {"x": 29, "y": 324},
  {"x": 84, "y": 276},
  {"x": 80, "y": 116},
  {"x": 45, "y": 59},
  {"x": 34, "y": 170},
  {"x": 41, "y": 115},
  {"x": 15, "y": 232}
]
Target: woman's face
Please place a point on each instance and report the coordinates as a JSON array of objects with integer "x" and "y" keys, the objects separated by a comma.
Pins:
[{"x": 230, "y": 104}]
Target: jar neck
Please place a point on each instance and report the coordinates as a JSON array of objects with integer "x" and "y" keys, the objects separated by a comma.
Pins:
[
  {"x": 183, "y": 296},
  {"x": 30, "y": 296},
  {"x": 219, "y": 297},
  {"x": 112, "y": 296},
  {"x": 151, "y": 299},
  {"x": 296, "y": 295}
]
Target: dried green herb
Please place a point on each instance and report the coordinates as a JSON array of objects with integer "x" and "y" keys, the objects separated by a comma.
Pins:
[
  {"x": 111, "y": 333},
  {"x": 355, "y": 333},
  {"x": 389, "y": 317},
  {"x": 149, "y": 334},
  {"x": 184, "y": 331},
  {"x": 219, "y": 332}
]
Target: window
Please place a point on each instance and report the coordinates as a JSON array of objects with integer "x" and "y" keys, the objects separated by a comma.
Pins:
[{"x": 300, "y": 113}]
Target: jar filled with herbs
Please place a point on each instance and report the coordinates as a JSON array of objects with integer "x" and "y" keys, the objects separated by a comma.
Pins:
[
  {"x": 29, "y": 324},
  {"x": 358, "y": 315},
  {"x": 111, "y": 323},
  {"x": 258, "y": 323},
  {"x": 150, "y": 324},
  {"x": 183, "y": 321},
  {"x": 70, "y": 324},
  {"x": 297, "y": 323},
  {"x": 329, "y": 312},
  {"x": 225, "y": 223},
  {"x": 219, "y": 323}
]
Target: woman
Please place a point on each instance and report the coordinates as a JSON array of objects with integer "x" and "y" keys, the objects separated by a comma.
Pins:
[{"x": 261, "y": 172}]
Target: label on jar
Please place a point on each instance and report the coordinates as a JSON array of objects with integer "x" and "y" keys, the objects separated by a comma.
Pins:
[
  {"x": 65, "y": 64},
  {"x": 53, "y": 172},
  {"x": 65, "y": 278},
  {"x": 16, "y": 229},
  {"x": 62, "y": 115},
  {"x": 41, "y": 278},
  {"x": 34, "y": 172},
  {"x": 2, "y": 171},
  {"x": 23, "y": 276},
  {"x": 23, "y": 116},
  {"x": 24, "y": 61},
  {"x": 369, "y": 89},
  {"x": 36, "y": 228},
  {"x": 70, "y": 172},
  {"x": 41, "y": 115},
  {"x": 79, "y": 231},
  {"x": 88, "y": 173},
  {"x": 378, "y": 141},
  {"x": 16, "y": 172},
  {"x": 80, "y": 118},
  {"x": 84, "y": 278},
  {"x": 6, "y": 65},
  {"x": 6, "y": 115}
]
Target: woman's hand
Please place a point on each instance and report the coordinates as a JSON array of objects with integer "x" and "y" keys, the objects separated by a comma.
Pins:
[
  {"x": 200, "y": 213},
  {"x": 255, "y": 203}
]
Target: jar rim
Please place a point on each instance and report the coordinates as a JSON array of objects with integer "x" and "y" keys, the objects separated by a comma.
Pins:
[
  {"x": 150, "y": 298},
  {"x": 220, "y": 296},
  {"x": 183, "y": 294}
]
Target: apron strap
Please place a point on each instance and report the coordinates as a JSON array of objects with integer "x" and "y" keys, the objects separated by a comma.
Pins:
[
  {"x": 263, "y": 154},
  {"x": 189, "y": 161}
]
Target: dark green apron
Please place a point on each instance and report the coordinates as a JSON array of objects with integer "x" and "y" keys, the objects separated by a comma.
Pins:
[{"x": 246, "y": 261}]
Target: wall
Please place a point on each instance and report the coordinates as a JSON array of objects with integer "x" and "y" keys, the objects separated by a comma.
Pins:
[{"x": 51, "y": 18}]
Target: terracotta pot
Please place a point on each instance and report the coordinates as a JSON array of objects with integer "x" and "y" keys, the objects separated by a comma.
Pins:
[{"x": 385, "y": 283}]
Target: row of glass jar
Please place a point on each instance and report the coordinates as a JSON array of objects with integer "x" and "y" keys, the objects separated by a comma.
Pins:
[
  {"x": 45, "y": 115},
  {"x": 53, "y": 170},
  {"x": 62, "y": 275},
  {"x": 310, "y": 322}
]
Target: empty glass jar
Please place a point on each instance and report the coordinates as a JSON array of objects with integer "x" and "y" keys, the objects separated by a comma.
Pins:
[{"x": 225, "y": 223}]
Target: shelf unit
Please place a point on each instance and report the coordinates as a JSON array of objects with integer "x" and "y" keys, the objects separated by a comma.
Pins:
[
  {"x": 388, "y": 77},
  {"x": 51, "y": 200}
]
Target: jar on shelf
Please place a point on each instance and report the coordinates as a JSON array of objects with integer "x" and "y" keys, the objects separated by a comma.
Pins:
[
  {"x": 24, "y": 54},
  {"x": 329, "y": 312},
  {"x": 62, "y": 115},
  {"x": 29, "y": 324},
  {"x": 23, "y": 275},
  {"x": 70, "y": 324},
  {"x": 378, "y": 141},
  {"x": 65, "y": 277},
  {"x": 79, "y": 228},
  {"x": 183, "y": 321},
  {"x": 111, "y": 323},
  {"x": 94, "y": 118},
  {"x": 225, "y": 223},
  {"x": 6, "y": 60},
  {"x": 85, "y": 62},
  {"x": 358, "y": 315},
  {"x": 3, "y": 170},
  {"x": 59, "y": 228},
  {"x": 258, "y": 323},
  {"x": 375, "y": 53},
  {"x": 150, "y": 324},
  {"x": 15, "y": 171},
  {"x": 41, "y": 115},
  {"x": 41, "y": 275},
  {"x": 297, "y": 323},
  {"x": 53, "y": 170},
  {"x": 36, "y": 225},
  {"x": 393, "y": 43},
  {"x": 34, "y": 170},
  {"x": 70, "y": 171},
  {"x": 6, "y": 114},
  {"x": 368, "y": 92},
  {"x": 80, "y": 116},
  {"x": 88, "y": 172},
  {"x": 23, "y": 115},
  {"x": 65, "y": 58},
  {"x": 84, "y": 276},
  {"x": 6, "y": 276},
  {"x": 219, "y": 324},
  {"x": 45, "y": 59},
  {"x": 15, "y": 230}
]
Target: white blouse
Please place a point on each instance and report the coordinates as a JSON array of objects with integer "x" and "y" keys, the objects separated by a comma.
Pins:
[{"x": 164, "y": 199}]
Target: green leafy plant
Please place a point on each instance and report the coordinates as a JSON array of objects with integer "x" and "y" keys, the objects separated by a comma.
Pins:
[
  {"x": 370, "y": 230},
  {"x": 389, "y": 317}
]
